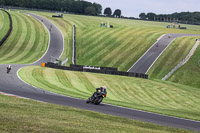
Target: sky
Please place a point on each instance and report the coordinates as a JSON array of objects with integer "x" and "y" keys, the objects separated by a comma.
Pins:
[{"x": 132, "y": 8}]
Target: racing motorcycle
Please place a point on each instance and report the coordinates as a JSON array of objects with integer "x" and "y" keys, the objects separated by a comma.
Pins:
[
  {"x": 96, "y": 98},
  {"x": 8, "y": 70}
]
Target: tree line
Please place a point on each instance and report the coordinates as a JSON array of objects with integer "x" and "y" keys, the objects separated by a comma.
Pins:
[
  {"x": 184, "y": 17},
  {"x": 74, "y": 6}
]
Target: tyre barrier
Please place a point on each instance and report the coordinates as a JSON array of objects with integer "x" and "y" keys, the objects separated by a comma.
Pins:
[
  {"x": 96, "y": 69},
  {"x": 9, "y": 31}
]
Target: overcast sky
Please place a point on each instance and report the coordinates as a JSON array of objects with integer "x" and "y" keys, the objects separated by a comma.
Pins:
[{"x": 132, "y": 8}]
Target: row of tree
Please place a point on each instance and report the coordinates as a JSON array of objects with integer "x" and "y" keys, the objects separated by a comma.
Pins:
[
  {"x": 75, "y": 6},
  {"x": 189, "y": 17},
  {"x": 108, "y": 12}
]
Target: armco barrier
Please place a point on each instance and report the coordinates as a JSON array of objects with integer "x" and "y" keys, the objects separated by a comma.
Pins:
[
  {"x": 9, "y": 31},
  {"x": 95, "y": 69}
]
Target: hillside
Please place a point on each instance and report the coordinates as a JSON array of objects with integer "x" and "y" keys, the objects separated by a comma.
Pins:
[
  {"x": 189, "y": 74},
  {"x": 27, "y": 42},
  {"x": 119, "y": 47}
]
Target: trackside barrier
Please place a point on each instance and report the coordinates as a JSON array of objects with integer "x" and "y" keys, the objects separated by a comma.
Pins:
[
  {"x": 184, "y": 60},
  {"x": 9, "y": 31},
  {"x": 96, "y": 69}
]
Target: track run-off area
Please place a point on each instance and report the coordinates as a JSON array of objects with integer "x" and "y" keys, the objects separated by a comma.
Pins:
[{"x": 12, "y": 84}]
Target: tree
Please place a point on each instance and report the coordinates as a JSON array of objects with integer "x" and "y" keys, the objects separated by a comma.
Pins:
[
  {"x": 107, "y": 11},
  {"x": 90, "y": 11},
  {"x": 2, "y": 2},
  {"x": 117, "y": 13},
  {"x": 75, "y": 6},
  {"x": 142, "y": 16},
  {"x": 151, "y": 16},
  {"x": 98, "y": 8}
]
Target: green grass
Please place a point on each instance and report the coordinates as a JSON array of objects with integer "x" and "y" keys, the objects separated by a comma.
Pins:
[
  {"x": 119, "y": 47},
  {"x": 155, "y": 96},
  {"x": 173, "y": 55},
  {"x": 189, "y": 74},
  {"x": 4, "y": 24},
  {"x": 22, "y": 116},
  {"x": 27, "y": 42}
]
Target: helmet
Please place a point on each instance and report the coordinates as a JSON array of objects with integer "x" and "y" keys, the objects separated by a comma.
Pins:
[
  {"x": 9, "y": 66},
  {"x": 104, "y": 87}
]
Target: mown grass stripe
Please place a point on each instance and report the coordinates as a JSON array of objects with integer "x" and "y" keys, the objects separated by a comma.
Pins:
[
  {"x": 5, "y": 24},
  {"x": 130, "y": 50},
  {"x": 101, "y": 36},
  {"x": 13, "y": 38},
  {"x": 35, "y": 50},
  {"x": 1, "y": 20},
  {"x": 21, "y": 44},
  {"x": 29, "y": 43},
  {"x": 108, "y": 48},
  {"x": 117, "y": 52},
  {"x": 104, "y": 47}
]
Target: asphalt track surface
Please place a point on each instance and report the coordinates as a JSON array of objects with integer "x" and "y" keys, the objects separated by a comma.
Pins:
[
  {"x": 148, "y": 59},
  {"x": 11, "y": 84}
]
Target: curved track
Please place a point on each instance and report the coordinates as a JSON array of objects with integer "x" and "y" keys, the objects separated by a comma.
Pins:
[{"x": 10, "y": 83}]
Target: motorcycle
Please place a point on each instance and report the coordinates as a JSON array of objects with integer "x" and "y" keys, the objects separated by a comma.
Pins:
[
  {"x": 96, "y": 98},
  {"x": 8, "y": 70}
]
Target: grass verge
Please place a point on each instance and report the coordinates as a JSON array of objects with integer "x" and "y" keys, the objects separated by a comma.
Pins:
[
  {"x": 27, "y": 42},
  {"x": 22, "y": 116},
  {"x": 154, "y": 96},
  {"x": 189, "y": 74}
]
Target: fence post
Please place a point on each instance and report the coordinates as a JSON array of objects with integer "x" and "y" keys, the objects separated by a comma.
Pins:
[{"x": 74, "y": 46}]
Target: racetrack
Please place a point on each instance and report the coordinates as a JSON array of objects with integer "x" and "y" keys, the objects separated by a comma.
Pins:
[
  {"x": 149, "y": 58},
  {"x": 10, "y": 83}
]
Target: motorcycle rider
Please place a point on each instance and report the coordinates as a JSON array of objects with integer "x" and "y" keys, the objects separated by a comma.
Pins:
[
  {"x": 98, "y": 96},
  {"x": 9, "y": 68},
  {"x": 99, "y": 90}
]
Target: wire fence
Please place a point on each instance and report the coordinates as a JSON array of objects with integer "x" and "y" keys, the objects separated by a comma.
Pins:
[{"x": 184, "y": 60}]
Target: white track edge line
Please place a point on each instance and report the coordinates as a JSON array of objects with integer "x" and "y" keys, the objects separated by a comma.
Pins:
[
  {"x": 49, "y": 33},
  {"x": 151, "y": 112},
  {"x": 48, "y": 42},
  {"x": 146, "y": 52}
]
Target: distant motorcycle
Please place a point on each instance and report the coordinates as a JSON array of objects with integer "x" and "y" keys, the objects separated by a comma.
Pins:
[
  {"x": 8, "y": 68},
  {"x": 96, "y": 98}
]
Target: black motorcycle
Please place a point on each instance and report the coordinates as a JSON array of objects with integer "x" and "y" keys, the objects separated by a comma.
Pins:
[
  {"x": 8, "y": 70},
  {"x": 96, "y": 98}
]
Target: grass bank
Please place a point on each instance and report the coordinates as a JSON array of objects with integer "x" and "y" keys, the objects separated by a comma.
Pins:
[
  {"x": 172, "y": 56},
  {"x": 27, "y": 42},
  {"x": 119, "y": 47},
  {"x": 154, "y": 96},
  {"x": 22, "y": 116},
  {"x": 4, "y": 24},
  {"x": 189, "y": 74}
]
